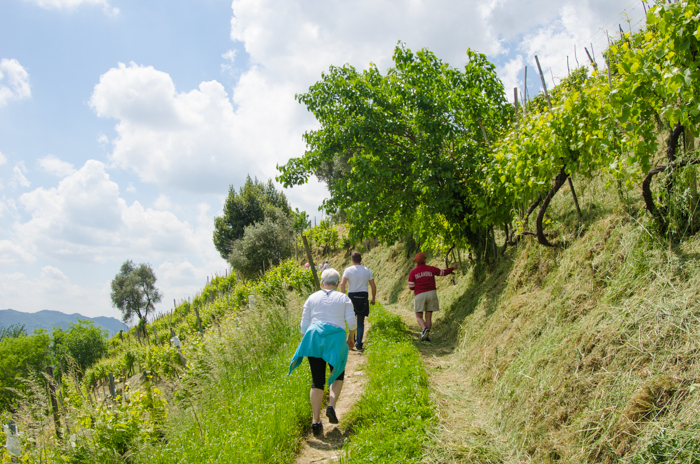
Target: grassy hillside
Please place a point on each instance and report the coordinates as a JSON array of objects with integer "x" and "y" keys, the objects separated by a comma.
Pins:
[{"x": 586, "y": 353}]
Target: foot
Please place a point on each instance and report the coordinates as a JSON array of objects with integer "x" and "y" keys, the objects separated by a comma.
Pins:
[
  {"x": 330, "y": 412},
  {"x": 426, "y": 338},
  {"x": 423, "y": 334},
  {"x": 317, "y": 428}
]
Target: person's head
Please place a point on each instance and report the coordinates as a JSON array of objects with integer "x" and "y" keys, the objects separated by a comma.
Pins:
[
  {"x": 356, "y": 257},
  {"x": 420, "y": 258},
  {"x": 330, "y": 278}
]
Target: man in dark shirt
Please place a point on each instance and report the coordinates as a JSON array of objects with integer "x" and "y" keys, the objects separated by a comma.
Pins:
[{"x": 422, "y": 281}]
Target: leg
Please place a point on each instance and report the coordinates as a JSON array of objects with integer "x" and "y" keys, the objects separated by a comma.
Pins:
[
  {"x": 316, "y": 402},
  {"x": 336, "y": 388},
  {"x": 360, "y": 331},
  {"x": 428, "y": 320},
  {"x": 318, "y": 376},
  {"x": 421, "y": 322}
]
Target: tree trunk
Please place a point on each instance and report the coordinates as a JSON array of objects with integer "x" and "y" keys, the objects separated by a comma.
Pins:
[{"x": 558, "y": 182}]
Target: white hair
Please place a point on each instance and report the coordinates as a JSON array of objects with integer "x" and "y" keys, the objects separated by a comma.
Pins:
[{"x": 330, "y": 277}]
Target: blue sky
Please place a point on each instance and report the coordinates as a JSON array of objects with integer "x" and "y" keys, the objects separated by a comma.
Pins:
[{"x": 123, "y": 122}]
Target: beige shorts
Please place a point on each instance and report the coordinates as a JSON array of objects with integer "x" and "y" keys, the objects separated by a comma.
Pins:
[{"x": 426, "y": 301}]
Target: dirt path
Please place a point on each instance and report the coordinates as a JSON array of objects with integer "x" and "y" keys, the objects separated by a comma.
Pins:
[
  {"x": 327, "y": 448},
  {"x": 465, "y": 432}
]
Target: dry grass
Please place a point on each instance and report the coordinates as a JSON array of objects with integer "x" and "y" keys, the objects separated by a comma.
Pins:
[{"x": 587, "y": 353}]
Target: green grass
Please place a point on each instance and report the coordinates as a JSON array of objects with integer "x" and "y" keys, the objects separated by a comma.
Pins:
[
  {"x": 248, "y": 412},
  {"x": 393, "y": 417}
]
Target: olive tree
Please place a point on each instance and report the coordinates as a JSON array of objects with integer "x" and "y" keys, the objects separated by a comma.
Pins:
[{"x": 134, "y": 292}]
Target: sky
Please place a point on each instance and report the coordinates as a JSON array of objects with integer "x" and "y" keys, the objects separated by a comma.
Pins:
[{"x": 124, "y": 122}]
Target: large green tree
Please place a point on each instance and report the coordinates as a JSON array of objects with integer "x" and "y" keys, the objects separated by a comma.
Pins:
[
  {"x": 404, "y": 152},
  {"x": 134, "y": 291},
  {"x": 254, "y": 202}
]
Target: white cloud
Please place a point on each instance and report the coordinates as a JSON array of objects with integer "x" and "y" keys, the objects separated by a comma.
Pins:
[
  {"x": 11, "y": 253},
  {"x": 3, "y": 159},
  {"x": 55, "y": 166},
  {"x": 51, "y": 290},
  {"x": 162, "y": 203},
  {"x": 14, "y": 81},
  {"x": 84, "y": 219},
  {"x": 18, "y": 178},
  {"x": 70, "y": 4}
]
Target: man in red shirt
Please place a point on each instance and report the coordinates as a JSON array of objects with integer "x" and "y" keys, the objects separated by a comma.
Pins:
[{"x": 422, "y": 281}]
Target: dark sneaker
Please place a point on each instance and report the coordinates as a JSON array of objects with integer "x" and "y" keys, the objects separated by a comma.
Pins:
[
  {"x": 426, "y": 337},
  {"x": 317, "y": 428},
  {"x": 423, "y": 334},
  {"x": 330, "y": 412}
]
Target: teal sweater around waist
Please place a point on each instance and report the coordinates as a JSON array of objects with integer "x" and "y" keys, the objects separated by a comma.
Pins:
[{"x": 324, "y": 341}]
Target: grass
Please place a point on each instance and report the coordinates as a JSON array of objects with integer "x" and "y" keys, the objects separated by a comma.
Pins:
[
  {"x": 392, "y": 419},
  {"x": 243, "y": 409},
  {"x": 586, "y": 353}
]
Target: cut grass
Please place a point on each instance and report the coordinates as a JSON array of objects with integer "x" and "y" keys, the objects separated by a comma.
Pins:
[{"x": 392, "y": 419}]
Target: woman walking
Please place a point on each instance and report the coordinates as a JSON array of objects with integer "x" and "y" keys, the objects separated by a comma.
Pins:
[{"x": 325, "y": 341}]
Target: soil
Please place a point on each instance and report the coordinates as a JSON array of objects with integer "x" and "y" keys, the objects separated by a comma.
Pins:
[{"x": 328, "y": 447}]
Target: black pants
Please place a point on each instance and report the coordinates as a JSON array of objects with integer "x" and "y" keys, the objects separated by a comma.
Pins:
[
  {"x": 318, "y": 372},
  {"x": 360, "y": 303}
]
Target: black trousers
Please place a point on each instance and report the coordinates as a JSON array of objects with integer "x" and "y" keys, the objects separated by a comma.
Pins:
[{"x": 318, "y": 372}]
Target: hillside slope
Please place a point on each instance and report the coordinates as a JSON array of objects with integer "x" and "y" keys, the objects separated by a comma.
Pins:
[{"x": 587, "y": 353}]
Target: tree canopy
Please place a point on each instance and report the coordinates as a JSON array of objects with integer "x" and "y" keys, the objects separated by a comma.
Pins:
[
  {"x": 254, "y": 202},
  {"x": 20, "y": 357},
  {"x": 82, "y": 341},
  {"x": 263, "y": 245},
  {"x": 404, "y": 152},
  {"x": 134, "y": 292}
]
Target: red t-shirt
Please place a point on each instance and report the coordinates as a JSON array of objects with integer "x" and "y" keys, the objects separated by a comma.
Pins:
[{"x": 422, "y": 277}]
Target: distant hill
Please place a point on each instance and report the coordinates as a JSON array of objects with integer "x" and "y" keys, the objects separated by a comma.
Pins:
[{"x": 49, "y": 319}]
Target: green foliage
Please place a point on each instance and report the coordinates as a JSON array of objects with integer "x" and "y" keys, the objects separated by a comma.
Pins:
[
  {"x": 134, "y": 292},
  {"x": 12, "y": 331},
  {"x": 20, "y": 358},
  {"x": 82, "y": 342},
  {"x": 301, "y": 221},
  {"x": 324, "y": 235},
  {"x": 392, "y": 419},
  {"x": 263, "y": 245},
  {"x": 255, "y": 202},
  {"x": 245, "y": 411},
  {"x": 413, "y": 142}
]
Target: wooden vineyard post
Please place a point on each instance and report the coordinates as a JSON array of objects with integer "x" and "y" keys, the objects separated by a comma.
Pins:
[
  {"x": 311, "y": 261},
  {"x": 112, "y": 391},
  {"x": 199, "y": 321},
  {"x": 544, "y": 84},
  {"x": 54, "y": 403},
  {"x": 155, "y": 336}
]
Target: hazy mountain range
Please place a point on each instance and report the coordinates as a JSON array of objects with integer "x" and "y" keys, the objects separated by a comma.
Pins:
[{"x": 49, "y": 319}]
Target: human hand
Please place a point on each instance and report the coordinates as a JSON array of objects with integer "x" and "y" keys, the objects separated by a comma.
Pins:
[
  {"x": 372, "y": 302},
  {"x": 351, "y": 343}
]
